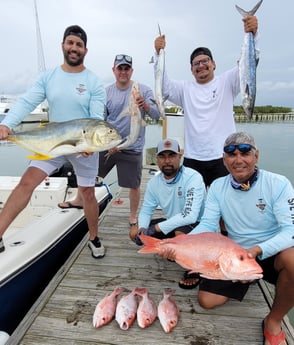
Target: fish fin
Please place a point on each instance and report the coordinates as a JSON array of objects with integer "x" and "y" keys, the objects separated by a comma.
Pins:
[
  {"x": 249, "y": 13},
  {"x": 150, "y": 244},
  {"x": 151, "y": 59},
  {"x": 39, "y": 157}
]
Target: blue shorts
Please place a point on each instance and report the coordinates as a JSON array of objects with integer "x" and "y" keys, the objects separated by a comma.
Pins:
[{"x": 85, "y": 168}]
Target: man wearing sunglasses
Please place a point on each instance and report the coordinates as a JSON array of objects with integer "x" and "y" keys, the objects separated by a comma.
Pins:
[
  {"x": 208, "y": 107},
  {"x": 128, "y": 161},
  {"x": 257, "y": 207}
]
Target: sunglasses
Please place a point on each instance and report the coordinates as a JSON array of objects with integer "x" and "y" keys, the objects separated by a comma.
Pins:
[
  {"x": 243, "y": 148},
  {"x": 124, "y": 57}
]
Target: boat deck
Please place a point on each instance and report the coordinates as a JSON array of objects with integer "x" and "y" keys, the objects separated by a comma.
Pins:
[{"x": 63, "y": 313}]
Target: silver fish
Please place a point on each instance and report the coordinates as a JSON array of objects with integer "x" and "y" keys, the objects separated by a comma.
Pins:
[
  {"x": 68, "y": 137},
  {"x": 137, "y": 122},
  {"x": 159, "y": 71},
  {"x": 247, "y": 66}
]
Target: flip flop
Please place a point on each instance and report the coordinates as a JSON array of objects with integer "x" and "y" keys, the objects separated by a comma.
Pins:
[
  {"x": 189, "y": 285},
  {"x": 69, "y": 205},
  {"x": 271, "y": 338}
]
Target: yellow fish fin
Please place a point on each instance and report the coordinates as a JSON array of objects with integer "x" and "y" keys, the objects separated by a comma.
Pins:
[{"x": 39, "y": 157}]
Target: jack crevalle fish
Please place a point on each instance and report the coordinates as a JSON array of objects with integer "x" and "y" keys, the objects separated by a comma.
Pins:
[
  {"x": 159, "y": 72},
  {"x": 134, "y": 112},
  {"x": 210, "y": 254},
  {"x": 126, "y": 310},
  {"x": 105, "y": 309},
  {"x": 168, "y": 311},
  {"x": 147, "y": 309},
  {"x": 63, "y": 138},
  {"x": 247, "y": 66}
]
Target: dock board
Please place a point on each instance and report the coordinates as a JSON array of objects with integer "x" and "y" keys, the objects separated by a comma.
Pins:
[{"x": 63, "y": 313}]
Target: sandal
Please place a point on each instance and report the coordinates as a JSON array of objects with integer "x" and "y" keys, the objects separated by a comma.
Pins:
[
  {"x": 189, "y": 281},
  {"x": 271, "y": 338}
]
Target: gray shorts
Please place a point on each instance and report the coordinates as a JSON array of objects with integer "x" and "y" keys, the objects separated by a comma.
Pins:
[
  {"x": 85, "y": 168},
  {"x": 128, "y": 165}
]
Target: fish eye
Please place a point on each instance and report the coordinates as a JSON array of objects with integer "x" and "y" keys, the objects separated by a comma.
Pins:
[{"x": 241, "y": 257}]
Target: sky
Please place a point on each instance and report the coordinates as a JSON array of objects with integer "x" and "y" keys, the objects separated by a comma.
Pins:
[{"x": 130, "y": 27}]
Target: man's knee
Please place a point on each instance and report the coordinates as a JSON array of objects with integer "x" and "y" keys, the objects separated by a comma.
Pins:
[{"x": 208, "y": 300}]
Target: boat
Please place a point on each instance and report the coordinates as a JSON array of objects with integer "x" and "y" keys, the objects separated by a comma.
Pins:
[
  {"x": 39, "y": 114},
  {"x": 37, "y": 243}
]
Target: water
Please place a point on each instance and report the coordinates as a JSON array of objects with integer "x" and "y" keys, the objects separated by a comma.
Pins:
[{"x": 274, "y": 140}]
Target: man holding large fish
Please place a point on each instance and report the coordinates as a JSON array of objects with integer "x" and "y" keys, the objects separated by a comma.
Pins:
[
  {"x": 73, "y": 92},
  {"x": 128, "y": 103},
  {"x": 208, "y": 106},
  {"x": 257, "y": 207}
]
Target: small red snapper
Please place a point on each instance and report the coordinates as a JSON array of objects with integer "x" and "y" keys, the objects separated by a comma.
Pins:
[
  {"x": 126, "y": 310},
  {"x": 105, "y": 309},
  {"x": 211, "y": 254},
  {"x": 168, "y": 311},
  {"x": 147, "y": 310}
]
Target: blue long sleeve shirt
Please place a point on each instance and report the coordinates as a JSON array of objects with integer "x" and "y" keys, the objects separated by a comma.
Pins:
[
  {"x": 182, "y": 201},
  {"x": 69, "y": 95},
  {"x": 263, "y": 215}
]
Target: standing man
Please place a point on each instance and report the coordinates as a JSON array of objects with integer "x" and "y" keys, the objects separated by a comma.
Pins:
[
  {"x": 180, "y": 192},
  {"x": 208, "y": 107},
  {"x": 72, "y": 92},
  {"x": 128, "y": 161}
]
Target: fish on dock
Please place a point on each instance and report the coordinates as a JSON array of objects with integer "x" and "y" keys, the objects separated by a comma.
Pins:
[
  {"x": 105, "y": 309},
  {"x": 126, "y": 310},
  {"x": 247, "y": 66},
  {"x": 168, "y": 311},
  {"x": 210, "y": 254},
  {"x": 147, "y": 309},
  {"x": 68, "y": 137}
]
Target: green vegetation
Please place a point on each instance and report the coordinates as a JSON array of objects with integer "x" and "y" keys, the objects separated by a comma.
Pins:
[{"x": 265, "y": 109}]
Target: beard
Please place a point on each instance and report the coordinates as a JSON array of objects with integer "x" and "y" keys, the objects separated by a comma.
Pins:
[
  {"x": 77, "y": 62},
  {"x": 169, "y": 170}
]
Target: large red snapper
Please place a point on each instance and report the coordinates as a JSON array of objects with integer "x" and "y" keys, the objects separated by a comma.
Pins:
[
  {"x": 126, "y": 310},
  {"x": 147, "y": 310},
  {"x": 211, "y": 254},
  {"x": 168, "y": 311},
  {"x": 105, "y": 309}
]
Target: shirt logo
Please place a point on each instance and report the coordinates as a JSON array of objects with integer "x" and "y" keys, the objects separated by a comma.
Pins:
[
  {"x": 81, "y": 88},
  {"x": 261, "y": 205}
]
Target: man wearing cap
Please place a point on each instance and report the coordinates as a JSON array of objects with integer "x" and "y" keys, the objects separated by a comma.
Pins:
[
  {"x": 257, "y": 207},
  {"x": 179, "y": 191},
  {"x": 72, "y": 92},
  {"x": 208, "y": 107},
  {"x": 128, "y": 161}
]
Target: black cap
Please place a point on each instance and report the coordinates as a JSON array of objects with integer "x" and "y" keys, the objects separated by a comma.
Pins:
[
  {"x": 75, "y": 30},
  {"x": 200, "y": 51}
]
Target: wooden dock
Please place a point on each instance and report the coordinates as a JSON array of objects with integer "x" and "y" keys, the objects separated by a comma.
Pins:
[{"x": 63, "y": 313}]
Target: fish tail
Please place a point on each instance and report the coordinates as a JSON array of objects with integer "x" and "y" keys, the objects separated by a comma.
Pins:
[
  {"x": 140, "y": 291},
  {"x": 150, "y": 244},
  {"x": 251, "y": 12}
]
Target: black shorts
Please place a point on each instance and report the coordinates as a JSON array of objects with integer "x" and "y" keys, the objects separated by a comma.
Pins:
[
  {"x": 210, "y": 170},
  {"x": 238, "y": 290},
  {"x": 185, "y": 229}
]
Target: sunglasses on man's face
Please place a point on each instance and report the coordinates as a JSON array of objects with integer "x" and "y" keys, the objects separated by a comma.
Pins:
[{"x": 243, "y": 148}]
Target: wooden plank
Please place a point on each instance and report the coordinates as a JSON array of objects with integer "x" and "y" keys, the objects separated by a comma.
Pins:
[{"x": 63, "y": 315}]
